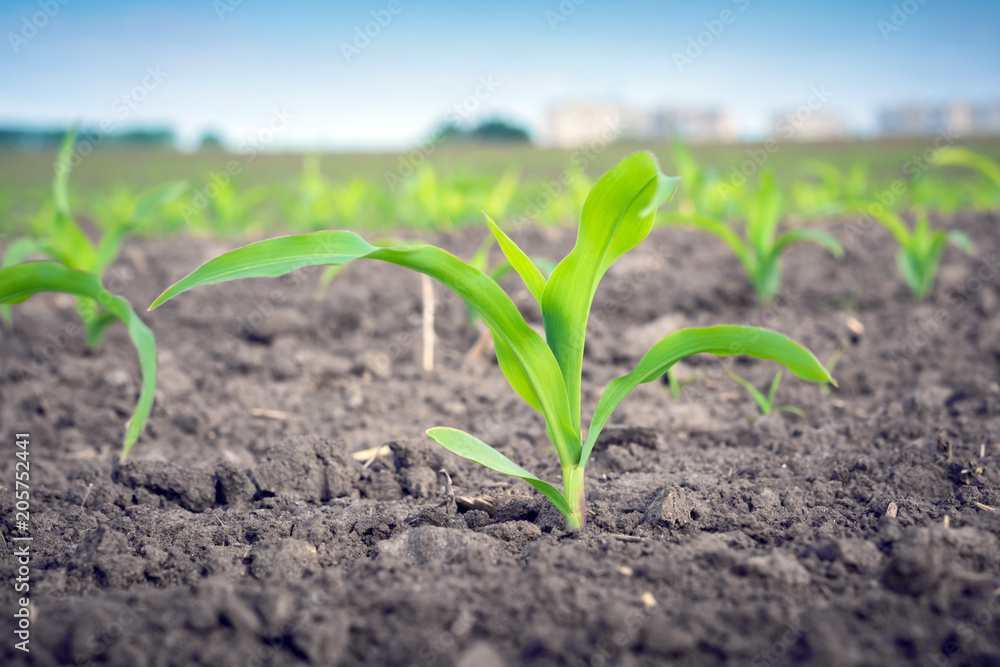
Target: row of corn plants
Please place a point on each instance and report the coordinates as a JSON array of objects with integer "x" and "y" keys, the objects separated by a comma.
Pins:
[{"x": 544, "y": 369}]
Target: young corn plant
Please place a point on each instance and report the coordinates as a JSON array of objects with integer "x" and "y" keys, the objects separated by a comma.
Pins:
[
  {"x": 706, "y": 194},
  {"x": 20, "y": 282},
  {"x": 920, "y": 248},
  {"x": 761, "y": 247},
  {"x": 829, "y": 189},
  {"x": 60, "y": 238},
  {"x": 546, "y": 371},
  {"x": 766, "y": 403},
  {"x": 957, "y": 156}
]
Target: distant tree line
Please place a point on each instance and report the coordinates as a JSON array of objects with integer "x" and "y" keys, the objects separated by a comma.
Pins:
[
  {"x": 488, "y": 131},
  {"x": 48, "y": 140}
]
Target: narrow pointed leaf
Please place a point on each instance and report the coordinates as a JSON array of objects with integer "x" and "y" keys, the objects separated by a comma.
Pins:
[
  {"x": 765, "y": 211},
  {"x": 532, "y": 277},
  {"x": 24, "y": 280},
  {"x": 774, "y": 388},
  {"x": 611, "y": 224},
  {"x": 720, "y": 230},
  {"x": 514, "y": 371},
  {"x": 474, "y": 449},
  {"x": 720, "y": 341},
  {"x": 961, "y": 240},
  {"x": 156, "y": 198},
  {"x": 817, "y": 236},
  {"x": 762, "y": 401},
  {"x": 16, "y": 252},
  {"x": 276, "y": 257},
  {"x": 960, "y": 156}
]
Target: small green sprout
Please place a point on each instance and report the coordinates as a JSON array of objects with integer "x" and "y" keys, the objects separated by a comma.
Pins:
[
  {"x": 963, "y": 157},
  {"x": 675, "y": 384},
  {"x": 830, "y": 189},
  {"x": 920, "y": 248},
  {"x": 766, "y": 403},
  {"x": 761, "y": 247},
  {"x": 63, "y": 240},
  {"x": 545, "y": 371},
  {"x": 18, "y": 283},
  {"x": 705, "y": 193},
  {"x": 830, "y": 364}
]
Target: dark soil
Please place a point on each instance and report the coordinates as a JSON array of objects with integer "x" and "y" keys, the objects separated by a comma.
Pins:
[{"x": 241, "y": 531}]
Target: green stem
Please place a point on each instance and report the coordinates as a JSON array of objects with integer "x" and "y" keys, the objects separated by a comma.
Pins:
[{"x": 574, "y": 492}]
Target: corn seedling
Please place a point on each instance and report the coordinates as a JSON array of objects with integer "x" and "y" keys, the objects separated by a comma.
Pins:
[
  {"x": 705, "y": 193},
  {"x": 499, "y": 270},
  {"x": 828, "y": 189},
  {"x": 761, "y": 247},
  {"x": 545, "y": 371},
  {"x": 830, "y": 365},
  {"x": 61, "y": 238},
  {"x": 958, "y": 156},
  {"x": 18, "y": 283},
  {"x": 675, "y": 384},
  {"x": 920, "y": 248},
  {"x": 766, "y": 403}
]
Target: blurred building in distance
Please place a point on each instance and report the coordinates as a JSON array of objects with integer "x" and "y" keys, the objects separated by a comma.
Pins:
[
  {"x": 579, "y": 124},
  {"x": 809, "y": 126},
  {"x": 917, "y": 120}
]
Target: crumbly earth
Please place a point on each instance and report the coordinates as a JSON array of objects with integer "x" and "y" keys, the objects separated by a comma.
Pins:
[{"x": 243, "y": 531}]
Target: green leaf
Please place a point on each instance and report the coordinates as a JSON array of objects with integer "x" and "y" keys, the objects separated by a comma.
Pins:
[
  {"x": 961, "y": 240},
  {"x": 65, "y": 241},
  {"x": 762, "y": 401},
  {"x": 530, "y": 357},
  {"x": 64, "y": 160},
  {"x": 765, "y": 209},
  {"x": 156, "y": 198},
  {"x": 474, "y": 449},
  {"x": 819, "y": 237},
  {"x": 774, "y": 387},
  {"x": 532, "y": 277},
  {"x": 25, "y": 280},
  {"x": 16, "y": 252},
  {"x": 617, "y": 216},
  {"x": 960, "y": 156},
  {"x": 888, "y": 219},
  {"x": 791, "y": 409},
  {"x": 481, "y": 258},
  {"x": 912, "y": 269},
  {"x": 502, "y": 192},
  {"x": 720, "y": 341},
  {"x": 720, "y": 230}
]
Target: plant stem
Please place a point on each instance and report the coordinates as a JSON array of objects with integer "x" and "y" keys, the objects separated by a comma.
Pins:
[{"x": 573, "y": 490}]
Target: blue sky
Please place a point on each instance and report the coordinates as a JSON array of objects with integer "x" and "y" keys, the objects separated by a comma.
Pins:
[{"x": 229, "y": 64}]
